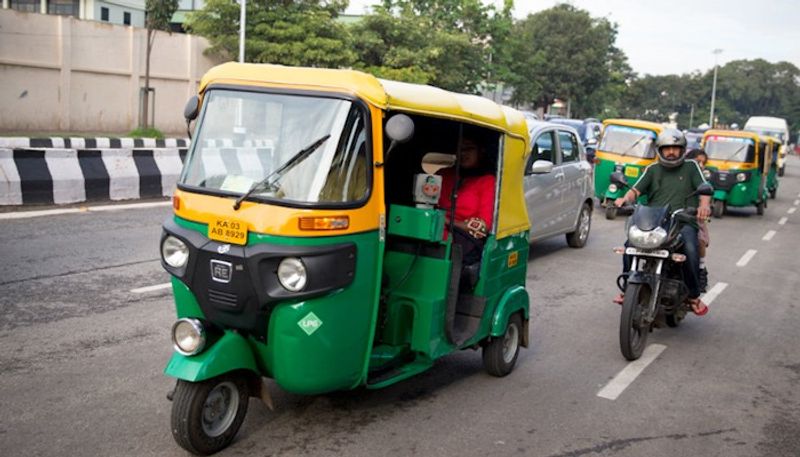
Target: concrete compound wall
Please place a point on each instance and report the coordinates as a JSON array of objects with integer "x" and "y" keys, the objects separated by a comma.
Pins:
[
  {"x": 63, "y": 74},
  {"x": 72, "y": 170}
]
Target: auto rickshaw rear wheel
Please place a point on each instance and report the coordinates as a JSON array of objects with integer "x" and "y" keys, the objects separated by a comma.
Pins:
[
  {"x": 781, "y": 170},
  {"x": 611, "y": 211},
  {"x": 760, "y": 208},
  {"x": 718, "y": 208},
  {"x": 207, "y": 415},
  {"x": 500, "y": 353},
  {"x": 773, "y": 193}
]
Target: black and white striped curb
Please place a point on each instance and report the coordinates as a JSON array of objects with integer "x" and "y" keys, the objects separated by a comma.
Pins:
[
  {"x": 91, "y": 143},
  {"x": 62, "y": 175}
]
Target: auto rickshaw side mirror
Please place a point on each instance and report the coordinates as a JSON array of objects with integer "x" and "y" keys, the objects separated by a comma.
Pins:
[
  {"x": 541, "y": 167},
  {"x": 705, "y": 189},
  {"x": 192, "y": 108},
  {"x": 619, "y": 179},
  {"x": 400, "y": 128}
]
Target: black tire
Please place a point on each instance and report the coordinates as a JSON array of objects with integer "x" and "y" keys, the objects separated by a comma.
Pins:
[
  {"x": 781, "y": 170},
  {"x": 760, "y": 208},
  {"x": 632, "y": 333},
  {"x": 500, "y": 354},
  {"x": 718, "y": 208},
  {"x": 611, "y": 211},
  {"x": 673, "y": 320},
  {"x": 578, "y": 238},
  {"x": 198, "y": 423},
  {"x": 773, "y": 193}
]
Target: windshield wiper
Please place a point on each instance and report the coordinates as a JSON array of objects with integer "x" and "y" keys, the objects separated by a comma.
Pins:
[
  {"x": 635, "y": 143},
  {"x": 735, "y": 153},
  {"x": 268, "y": 182}
]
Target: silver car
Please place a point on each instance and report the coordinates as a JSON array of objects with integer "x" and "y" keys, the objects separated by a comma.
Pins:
[{"x": 558, "y": 184}]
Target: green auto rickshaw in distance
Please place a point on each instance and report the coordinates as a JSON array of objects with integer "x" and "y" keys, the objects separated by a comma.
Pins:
[
  {"x": 773, "y": 148},
  {"x": 738, "y": 167},
  {"x": 626, "y": 146},
  {"x": 309, "y": 244}
]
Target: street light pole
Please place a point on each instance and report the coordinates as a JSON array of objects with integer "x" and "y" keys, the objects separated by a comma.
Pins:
[
  {"x": 716, "y": 52},
  {"x": 242, "y": 19}
]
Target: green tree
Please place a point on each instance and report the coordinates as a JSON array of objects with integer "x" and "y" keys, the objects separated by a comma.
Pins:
[
  {"x": 561, "y": 52},
  {"x": 288, "y": 32},
  {"x": 159, "y": 13}
]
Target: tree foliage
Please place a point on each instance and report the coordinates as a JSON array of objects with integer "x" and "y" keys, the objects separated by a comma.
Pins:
[
  {"x": 562, "y": 52},
  {"x": 159, "y": 14},
  {"x": 288, "y": 32}
]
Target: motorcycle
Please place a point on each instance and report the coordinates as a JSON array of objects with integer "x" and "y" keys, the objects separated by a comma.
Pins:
[{"x": 654, "y": 289}]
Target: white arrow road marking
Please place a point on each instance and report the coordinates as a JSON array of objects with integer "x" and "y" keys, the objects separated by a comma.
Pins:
[
  {"x": 746, "y": 257},
  {"x": 624, "y": 378},
  {"x": 769, "y": 235},
  {"x": 142, "y": 290}
]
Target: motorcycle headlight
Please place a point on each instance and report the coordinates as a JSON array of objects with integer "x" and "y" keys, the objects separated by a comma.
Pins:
[
  {"x": 292, "y": 274},
  {"x": 646, "y": 239},
  {"x": 188, "y": 336},
  {"x": 741, "y": 177},
  {"x": 612, "y": 188},
  {"x": 707, "y": 173},
  {"x": 174, "y": 252}
]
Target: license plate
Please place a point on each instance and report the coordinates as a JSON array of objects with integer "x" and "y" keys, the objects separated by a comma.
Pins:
[
  {"x": 660, "y": 253},
  {"x": 227, "y": 231},
  {"x": 632, "y": 172}
]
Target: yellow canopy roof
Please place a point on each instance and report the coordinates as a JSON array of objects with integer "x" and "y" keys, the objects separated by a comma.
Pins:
[{"x": 655, "y": 126}]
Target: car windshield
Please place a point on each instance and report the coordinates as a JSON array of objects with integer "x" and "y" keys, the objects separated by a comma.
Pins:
[
  {"x": 628, "y": 141},
  {"x": 764, "y": 132},
  {"x": 730, "y": 149},
  {"x": 288, "y": 148}
]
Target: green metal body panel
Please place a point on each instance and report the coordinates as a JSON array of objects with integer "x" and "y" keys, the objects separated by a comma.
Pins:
[
  {"x": 418, "y": 223},
  {"x": 514, "y": 300},
  {"x": 185, "y": 302},
  {"x": 228, "y": 353},
  {"x": 720, "y": 195},
  {"x": 772, "y": 178},
  {"x": 336, "y": 355},
  {"x": 602, "y": 179},
  {"x": 745, "y": 193}
]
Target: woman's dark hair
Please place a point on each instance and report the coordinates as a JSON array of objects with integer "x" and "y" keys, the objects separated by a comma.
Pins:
[{"x": 694, "y": 153}]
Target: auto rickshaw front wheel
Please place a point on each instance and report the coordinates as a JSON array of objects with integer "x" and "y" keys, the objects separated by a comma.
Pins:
[
  {"x": 207, "y": 415},
  {"x": 500, "y": 353},
  {"x": 718, "y": 208}
]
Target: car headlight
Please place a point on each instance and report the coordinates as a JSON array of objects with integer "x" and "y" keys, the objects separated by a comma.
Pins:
[
  {"x": 612, "y": 188},
  {"x": 741, "y": 177},
  {"x": 188, "y": 336},
  {"x": 292, "y": 274},
  {"x": 646, "y": 239},
  {"x": 707, "y": 173},
  {"x": 174, "y": 252}
]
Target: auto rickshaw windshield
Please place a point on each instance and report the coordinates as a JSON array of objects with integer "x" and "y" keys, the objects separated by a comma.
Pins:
[
  {"x": 292, "y": 148},
  {"x": 628, "y": 141},
  {"x": 730, "y": 149}
]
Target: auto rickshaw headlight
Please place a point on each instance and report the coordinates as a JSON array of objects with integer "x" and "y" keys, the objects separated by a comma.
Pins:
[
  {"x": 741, "y": 177},
  {"x": 188, "y": 336},
  {"x": 707, "y": 173},
  {"x": 612, "y": 188},
  {"x": 292, "y": 274},
  {"x": 174, "y": 251}
]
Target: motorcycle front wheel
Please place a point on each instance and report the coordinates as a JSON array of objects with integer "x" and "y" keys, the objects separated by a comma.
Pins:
[{"x": 633, "y": 332}]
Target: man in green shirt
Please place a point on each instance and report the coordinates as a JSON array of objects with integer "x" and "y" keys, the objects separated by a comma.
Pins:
[{"x": 670, "y": 181}]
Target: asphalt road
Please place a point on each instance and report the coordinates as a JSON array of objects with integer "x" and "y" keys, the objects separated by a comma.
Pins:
[{"x": 81, "y": 356}]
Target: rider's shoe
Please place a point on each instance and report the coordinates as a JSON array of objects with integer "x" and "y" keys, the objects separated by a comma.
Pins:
[
  {"x": 619, "y": 299},
  {"x": 698, "y": 307}
]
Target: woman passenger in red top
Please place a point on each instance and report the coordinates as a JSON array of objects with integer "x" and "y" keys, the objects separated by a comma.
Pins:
[{"x": 475, "y": 201}]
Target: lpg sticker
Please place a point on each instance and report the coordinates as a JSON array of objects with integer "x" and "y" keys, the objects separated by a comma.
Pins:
[{"x": 310, "y": 324}]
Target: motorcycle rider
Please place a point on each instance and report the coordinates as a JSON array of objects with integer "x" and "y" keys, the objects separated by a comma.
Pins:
[{"x": 670, "y": 181}]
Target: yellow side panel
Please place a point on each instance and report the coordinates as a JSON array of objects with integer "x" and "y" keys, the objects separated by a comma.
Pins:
[{"x": 513, "y": 215}]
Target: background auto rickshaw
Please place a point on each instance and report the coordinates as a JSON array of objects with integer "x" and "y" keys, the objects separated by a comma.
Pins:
[
  {"x": 626, "y": 146},
  {"x": 773, "y": 148},
  {"x": 307, "y": 246},
  {"x": 738, "y": 166}
]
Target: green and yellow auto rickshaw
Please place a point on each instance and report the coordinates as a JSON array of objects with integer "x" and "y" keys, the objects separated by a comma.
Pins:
[
  {"x": 773, "y": 150},
  {"x": 307, "y": 244},
  {"x": 738, "y": 167},
  {"x": 626, "y": 146}
]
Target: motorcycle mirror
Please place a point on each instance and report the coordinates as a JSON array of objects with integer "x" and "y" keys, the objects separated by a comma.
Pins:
[{"x": 619, "y": 179}]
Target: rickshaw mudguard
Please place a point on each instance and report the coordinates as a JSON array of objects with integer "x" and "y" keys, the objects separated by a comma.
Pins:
[
  {"x": 514, "y": 300},
  {"x": 720, "y": 195},
  {"x": 229, "y": 353}
]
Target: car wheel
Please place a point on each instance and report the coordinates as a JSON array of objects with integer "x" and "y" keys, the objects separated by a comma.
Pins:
[{"x": 578, "y": 238}]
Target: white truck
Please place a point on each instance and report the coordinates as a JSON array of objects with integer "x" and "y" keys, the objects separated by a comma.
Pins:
[{"x": 775, "y": 127}]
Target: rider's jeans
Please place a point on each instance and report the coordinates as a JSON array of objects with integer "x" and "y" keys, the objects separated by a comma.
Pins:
[{"x": 691, "y": 267}]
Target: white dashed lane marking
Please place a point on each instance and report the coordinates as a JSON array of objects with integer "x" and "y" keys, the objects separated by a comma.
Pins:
[
  {"x": 769, "y": 235},
  {"x": 712, "y": 294},
  {"x": 624, "y": 378},
  {"x": 746, "y": 257},
  {"x": 796, "y": 202},
  {"x": 142, "y": 290},
  {"x": 792, "y": 210},
  {"x": 83, "y": 209},
  {"x": 783, "y": 221}
]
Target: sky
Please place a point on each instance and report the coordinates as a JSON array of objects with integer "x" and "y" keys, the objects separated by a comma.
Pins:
[{"x": 679, "y": 36}]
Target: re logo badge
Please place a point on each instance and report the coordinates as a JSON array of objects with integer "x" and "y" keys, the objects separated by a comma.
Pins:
[{"x": 310, "y": 324}]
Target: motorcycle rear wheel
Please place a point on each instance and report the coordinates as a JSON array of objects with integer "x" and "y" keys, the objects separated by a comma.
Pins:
[{"x": 633, "y": 332}]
